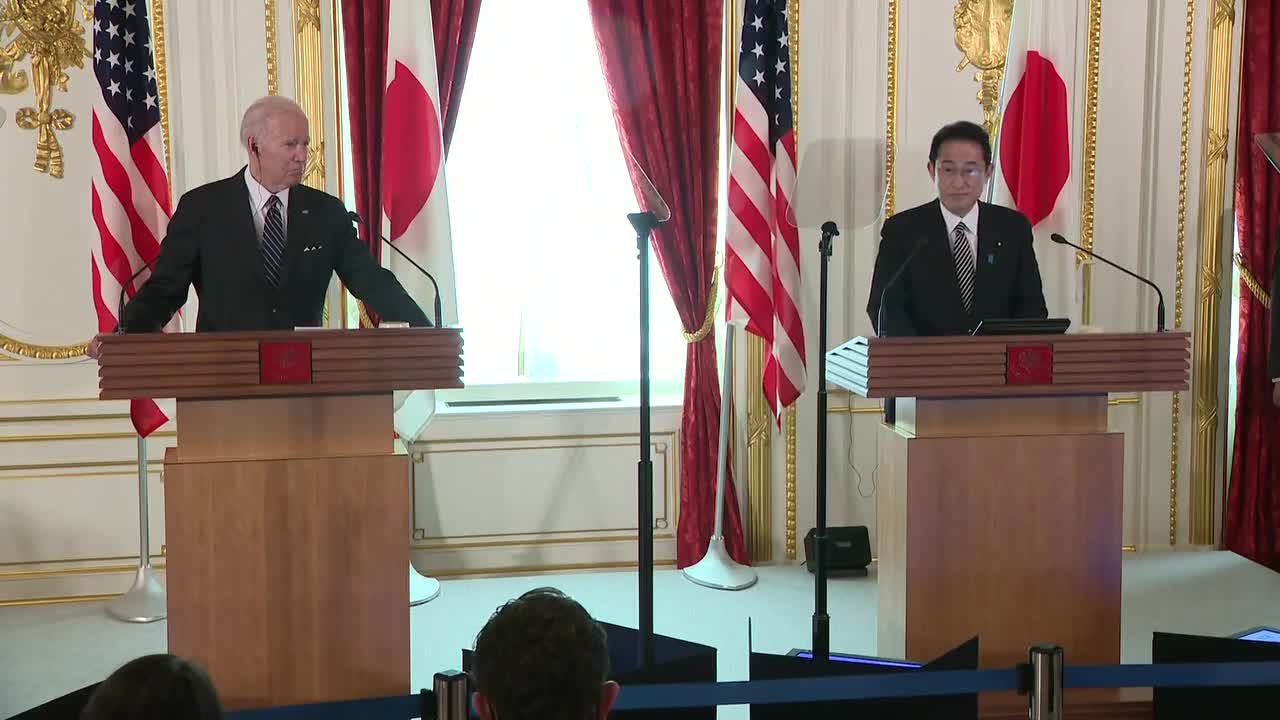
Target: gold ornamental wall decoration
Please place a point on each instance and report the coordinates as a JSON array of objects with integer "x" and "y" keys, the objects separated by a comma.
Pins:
[
  {"x": 50, "y": 32},
  {"x": 12, "y": 82},
  {"x": 982, "y": 34}
]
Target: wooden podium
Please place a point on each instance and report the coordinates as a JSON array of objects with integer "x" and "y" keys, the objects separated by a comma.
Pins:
[
  {"x": 286, "y": 523},
  {"x": 1001, "y": 495}
]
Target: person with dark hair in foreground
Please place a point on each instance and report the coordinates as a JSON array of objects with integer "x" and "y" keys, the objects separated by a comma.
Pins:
[
  {"x": 542, "y": 657},
  {"x": 975, "y": 260},
  {"x": 155, "y": 687}
]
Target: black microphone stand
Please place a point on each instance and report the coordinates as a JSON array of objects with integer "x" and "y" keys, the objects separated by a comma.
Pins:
[
  {"x": 644, "y": 224},
  {"x": 821, "y": 620}
]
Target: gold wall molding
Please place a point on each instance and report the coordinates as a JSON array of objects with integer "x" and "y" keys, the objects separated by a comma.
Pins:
[
  {"x": 790, "y": 430},
  {"x": 982, "y": 36},
  {"x": 309, "y": 85},
  {"x": 666, "y": 446},
  {"x": 81, "y": 436},
  {"x": 273, "y": 52},
  {"x": 160, "y": 56},
  {"x": 53, "y": 34},
  {"x": 759, "y": 525},
  {"x": 1093, "y": 53},
  {"x": 891, "y": 111},
  {"x": 1184, "y": 154},
  {"x": 1206, "y": 334},
  {"x": 32, "y": 351}
]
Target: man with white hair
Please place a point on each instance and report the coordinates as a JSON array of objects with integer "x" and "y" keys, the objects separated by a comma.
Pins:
[{"x": 260, "y": 247}]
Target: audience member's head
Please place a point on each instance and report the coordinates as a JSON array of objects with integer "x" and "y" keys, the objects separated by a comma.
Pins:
[
  {"x": 159, "y": 687},
  {"x": 542, "y": 657}
]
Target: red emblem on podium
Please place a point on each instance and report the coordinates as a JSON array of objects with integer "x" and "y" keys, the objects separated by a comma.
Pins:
[
  {"x": 284, "y": 363},
  {"x": 1029, "y": 365}
]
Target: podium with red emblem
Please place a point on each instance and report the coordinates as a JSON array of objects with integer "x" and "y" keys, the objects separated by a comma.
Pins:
[
  {"x": 1000, "y": 500},
  {"x": 286, "y": 519}
]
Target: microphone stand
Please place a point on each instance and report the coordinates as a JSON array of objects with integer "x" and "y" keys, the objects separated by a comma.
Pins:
[
  {"x": 644, "y": 224},
  {"x": 821, "y": 620}
]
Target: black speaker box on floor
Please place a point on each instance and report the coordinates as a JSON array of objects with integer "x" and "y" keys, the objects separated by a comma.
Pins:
[{"x": 848, "y": 550}]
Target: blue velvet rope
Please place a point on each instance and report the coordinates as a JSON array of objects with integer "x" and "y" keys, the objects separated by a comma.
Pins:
[{"x": 827, "y": 689}]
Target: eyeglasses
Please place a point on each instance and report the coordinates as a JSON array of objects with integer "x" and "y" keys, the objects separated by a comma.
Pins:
[{"x": 968, "y": 173}]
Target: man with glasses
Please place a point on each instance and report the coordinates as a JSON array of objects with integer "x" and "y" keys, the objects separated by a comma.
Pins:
[{"x": 975, "y": 261}]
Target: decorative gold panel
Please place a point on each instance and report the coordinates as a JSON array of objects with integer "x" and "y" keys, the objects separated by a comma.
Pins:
[
  {"x": 1204, "y": 353},
  {"x": 1092, "y": 57},
  {"x": 1184, "y": 152},
  {"x": 309, "y": 85},
  {"x": 982, "y": 35},
  {"x": 273, "y": 53},
  {"x": 52, "y": 34}
]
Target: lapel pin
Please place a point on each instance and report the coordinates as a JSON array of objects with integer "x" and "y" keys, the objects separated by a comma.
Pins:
[{"x": 305, "y": 211}]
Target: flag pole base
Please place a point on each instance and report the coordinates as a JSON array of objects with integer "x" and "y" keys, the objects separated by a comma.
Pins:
[
  {"x": 718, "y": 571},
  {"x": 144, "y": 603},
  {"x": 422, "y": 589}
]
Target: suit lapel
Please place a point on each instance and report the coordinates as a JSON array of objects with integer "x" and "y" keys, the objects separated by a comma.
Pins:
[
  {"x": 944, "y": 262},
  {"x": 295, "y": 234},
  {"x": 244, "y": 233},
  {"x": 987, "y": 266}
]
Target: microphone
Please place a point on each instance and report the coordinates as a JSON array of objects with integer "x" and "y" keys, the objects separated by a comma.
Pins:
[
  {"x": 120, "y": 304},
  {"x": 884, "y": 293},
  {"x": 1159, "y": 295},
  {"x": 439, "y": 315}
]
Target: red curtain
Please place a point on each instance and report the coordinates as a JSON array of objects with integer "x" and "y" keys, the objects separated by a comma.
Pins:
[
  {"x": 454, "y": 23},
  {"x": 364, "y": 26},
  {"x": 661, "y": 62},
  {"x": 1253, "y": 501}
]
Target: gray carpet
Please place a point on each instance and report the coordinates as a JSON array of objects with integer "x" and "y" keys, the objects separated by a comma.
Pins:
[{"x": 50, "y": 650}]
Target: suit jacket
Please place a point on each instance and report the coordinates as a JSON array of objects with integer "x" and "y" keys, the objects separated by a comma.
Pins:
[
  {"x": 926, "y": 300},
  {"x": 212, "y": 243}
]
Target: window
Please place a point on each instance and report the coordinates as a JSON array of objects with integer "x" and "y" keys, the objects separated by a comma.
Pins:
[{"x": 547, "y": 277}]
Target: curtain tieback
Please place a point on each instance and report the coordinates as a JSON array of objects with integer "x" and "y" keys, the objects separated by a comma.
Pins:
[
  {"x": 1252, "y": 283},
  {"x": 709, "y": 322}
]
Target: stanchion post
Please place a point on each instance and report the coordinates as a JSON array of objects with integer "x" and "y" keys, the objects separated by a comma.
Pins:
[
  {"x": 450, "y": 689},
  {"x": 145, "y": 601},
  {"x": 1045, "y": 701}
]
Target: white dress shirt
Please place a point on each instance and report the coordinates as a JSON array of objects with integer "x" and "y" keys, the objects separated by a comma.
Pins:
[
  {"x": 258, "y": 197},
  {"x": 971, "y": 224}
]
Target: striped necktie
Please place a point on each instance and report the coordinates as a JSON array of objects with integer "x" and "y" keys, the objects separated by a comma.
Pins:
[
  {"x": 273, "y": 241},
  {"x": 964, "y": 265}
]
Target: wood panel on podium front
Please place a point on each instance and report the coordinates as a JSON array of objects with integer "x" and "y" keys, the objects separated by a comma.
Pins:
[
  {"x": 286, "y": 517},
  {"x": 1000, "y": 503}
]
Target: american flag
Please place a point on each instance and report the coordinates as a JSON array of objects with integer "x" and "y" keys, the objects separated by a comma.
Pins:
[
  {"x": 130, "y": 194},
  {"x": 762, "y": 246}
]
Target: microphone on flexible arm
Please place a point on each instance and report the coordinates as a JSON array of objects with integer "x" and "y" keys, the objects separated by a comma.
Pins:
[
  {"x": 439, "y": 315},
  {"x": 120, "y": 305},
  {"x": 1159, "y": 295},
  {"x": 884, "y": 293}
]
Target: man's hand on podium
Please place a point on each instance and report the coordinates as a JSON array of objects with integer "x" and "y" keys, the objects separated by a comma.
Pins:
[
  {"x": 1275, "y": 393},
  {"x": 95, "y": 347}
]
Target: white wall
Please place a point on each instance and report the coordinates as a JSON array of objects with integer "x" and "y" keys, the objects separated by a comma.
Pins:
[
  {"x": 556, "y": 487},
  {"x": 536, "y": 489},
  {"x": 843, "y": 82}
]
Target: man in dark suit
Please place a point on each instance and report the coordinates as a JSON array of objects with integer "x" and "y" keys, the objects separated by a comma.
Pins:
[
  {"x": 975, "y": 260},
  {"x": 260, "y": 247}
]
